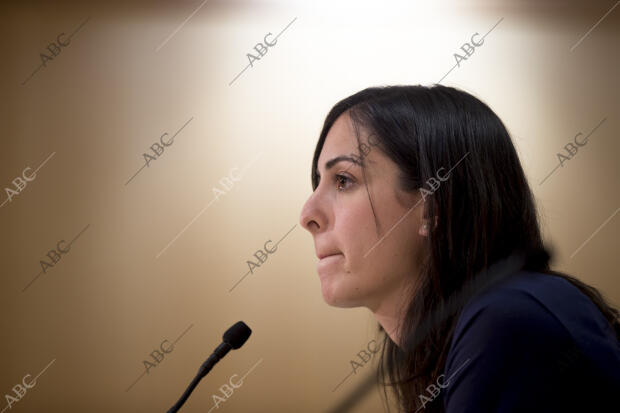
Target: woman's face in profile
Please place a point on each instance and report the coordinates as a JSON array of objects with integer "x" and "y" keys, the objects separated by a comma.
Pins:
[{"x": 369, "y": 264}]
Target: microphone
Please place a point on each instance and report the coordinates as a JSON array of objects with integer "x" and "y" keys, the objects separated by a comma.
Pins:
[{"x": 233, "y": 338}]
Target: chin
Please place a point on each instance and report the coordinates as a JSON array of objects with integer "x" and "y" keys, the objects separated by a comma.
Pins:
[{"x": 336, "y": 297}]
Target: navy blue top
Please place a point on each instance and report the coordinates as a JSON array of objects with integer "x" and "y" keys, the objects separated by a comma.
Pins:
[{"x": 531, "y": 343}]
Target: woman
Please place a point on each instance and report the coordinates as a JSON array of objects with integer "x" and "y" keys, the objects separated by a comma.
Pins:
[{"x": 422, "y": 213}]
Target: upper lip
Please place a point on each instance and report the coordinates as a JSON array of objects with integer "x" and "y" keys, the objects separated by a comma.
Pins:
[{"x": 322, "y": 255}]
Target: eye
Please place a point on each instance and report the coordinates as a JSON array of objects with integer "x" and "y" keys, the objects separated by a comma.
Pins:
[{"x": 340, "y": 179}]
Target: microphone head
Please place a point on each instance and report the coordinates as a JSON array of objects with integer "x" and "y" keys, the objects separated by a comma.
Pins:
[{"x": 237, "y": 335}]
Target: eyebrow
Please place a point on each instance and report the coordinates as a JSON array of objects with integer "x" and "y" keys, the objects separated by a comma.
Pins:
[{"x": 329, "y": 164}]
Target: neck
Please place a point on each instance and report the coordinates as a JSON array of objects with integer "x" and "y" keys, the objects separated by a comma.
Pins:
[
  {"x": 390, "y": 325},
  {"x": 390, "y": 312}
]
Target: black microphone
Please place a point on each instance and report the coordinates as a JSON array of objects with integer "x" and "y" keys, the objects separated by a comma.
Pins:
[{"x": 233, "y": 338}]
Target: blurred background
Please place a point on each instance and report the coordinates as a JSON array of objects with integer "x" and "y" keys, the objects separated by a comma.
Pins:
[{"x": 153, "y": 150}]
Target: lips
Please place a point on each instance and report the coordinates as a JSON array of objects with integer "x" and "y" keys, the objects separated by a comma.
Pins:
[
  {"x": 330, "y": 257},
  {"x": 327, "y": 262},
  {"x": 328, "y": 254}
]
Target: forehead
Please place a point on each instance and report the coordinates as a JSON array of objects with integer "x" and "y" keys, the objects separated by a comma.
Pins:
[
  {"x": 340, "y": 140},
  {"x": 341, "y": 134}
]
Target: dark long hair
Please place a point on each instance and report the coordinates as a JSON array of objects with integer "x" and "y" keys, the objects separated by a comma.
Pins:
[{"x": 485, "y": 215}]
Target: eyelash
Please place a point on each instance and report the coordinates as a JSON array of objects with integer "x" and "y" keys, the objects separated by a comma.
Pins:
[
  {"x": 337, "y": 177},
  {"x": 346, "y": 178}
]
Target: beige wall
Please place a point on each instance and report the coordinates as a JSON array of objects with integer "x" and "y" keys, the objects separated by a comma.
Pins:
[{"x": 156, "y": 259}]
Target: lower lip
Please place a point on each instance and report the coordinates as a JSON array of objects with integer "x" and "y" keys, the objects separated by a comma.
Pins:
[{"x": 329, "y": 260}]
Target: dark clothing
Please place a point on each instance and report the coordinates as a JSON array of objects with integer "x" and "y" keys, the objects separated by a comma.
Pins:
[{"x": 532, "y": 343}]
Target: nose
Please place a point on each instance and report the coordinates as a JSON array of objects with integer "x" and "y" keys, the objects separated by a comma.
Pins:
[{"x": 310, "y": 217}]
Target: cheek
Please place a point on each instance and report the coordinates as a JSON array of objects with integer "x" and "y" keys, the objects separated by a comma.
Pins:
[
  {"x": 356, "y": 233},
  {"x": 382, "y": 261}
]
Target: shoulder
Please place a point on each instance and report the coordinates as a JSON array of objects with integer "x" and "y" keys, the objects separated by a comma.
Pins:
[
  {"x": 510, "y": 317},
  {"x": 531, "y": 299},
  {"x": 519, "y": 336}
]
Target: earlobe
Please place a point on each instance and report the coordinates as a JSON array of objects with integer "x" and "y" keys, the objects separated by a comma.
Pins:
[{"x": 424, "y": 230}]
